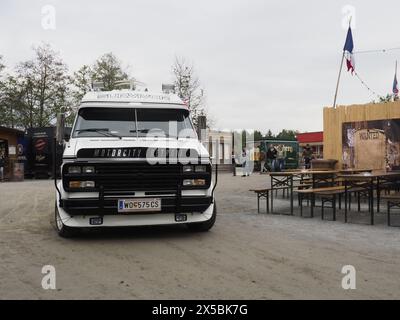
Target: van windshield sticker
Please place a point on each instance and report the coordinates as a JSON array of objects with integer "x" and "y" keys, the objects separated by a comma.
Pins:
[{"x": 133, "y": 95}]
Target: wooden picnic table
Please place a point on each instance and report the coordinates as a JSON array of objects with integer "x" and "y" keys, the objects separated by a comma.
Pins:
[
  {"x": 354, "y": 171},
  {"x": 368, "y": 181},
  {"x": 284, "y": 179}
]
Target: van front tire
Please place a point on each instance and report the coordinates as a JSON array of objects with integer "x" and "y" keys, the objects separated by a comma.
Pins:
[
  {"x": 206, "y": 225},
  {"x": 63, "y": 230}
]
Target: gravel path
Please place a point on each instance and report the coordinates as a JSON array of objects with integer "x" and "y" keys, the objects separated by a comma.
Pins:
[{"x": 245, "y": 256}]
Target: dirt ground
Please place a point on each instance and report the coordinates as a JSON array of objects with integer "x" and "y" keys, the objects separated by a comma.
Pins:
[{"x": 245, "y": 256}]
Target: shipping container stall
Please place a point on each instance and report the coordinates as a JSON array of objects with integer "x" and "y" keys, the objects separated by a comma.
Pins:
[{"x": 290, "y": 147}]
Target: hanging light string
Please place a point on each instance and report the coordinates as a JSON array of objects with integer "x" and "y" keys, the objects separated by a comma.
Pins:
[
  {"x": 366, "y": 86},
  {"x": 373, "y": 51},
  {"x": 377, "y": 50}
]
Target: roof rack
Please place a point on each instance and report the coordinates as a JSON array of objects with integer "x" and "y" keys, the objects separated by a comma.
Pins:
[{"x": 130, "y": 84}]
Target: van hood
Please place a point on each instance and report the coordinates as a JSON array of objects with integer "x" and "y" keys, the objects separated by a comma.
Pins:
[{"x": 75, "y": 145}]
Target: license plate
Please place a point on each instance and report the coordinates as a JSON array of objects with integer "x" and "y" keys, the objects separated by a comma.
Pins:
[{"x": 138, "y": 205}]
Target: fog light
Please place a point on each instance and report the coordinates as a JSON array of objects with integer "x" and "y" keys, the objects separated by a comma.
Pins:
[
  {"x": 74, "y": 169},
  {"x": 89, "y": 169},
  {"x": 75, "y": 184}
]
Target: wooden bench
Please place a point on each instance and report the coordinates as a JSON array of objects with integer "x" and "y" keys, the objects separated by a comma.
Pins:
[
  {"x": 330, "y": 197},
  {"x": 265, "y": 193},
  {"x": 325, "y": 191},
  {"x": 262, "y": 193},
  {"x": 393, "y": 200}
]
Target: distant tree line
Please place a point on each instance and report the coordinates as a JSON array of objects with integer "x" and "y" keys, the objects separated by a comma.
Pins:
[
  {"x": 284, "y": 134},
  {"x": 35, "y": 90}
]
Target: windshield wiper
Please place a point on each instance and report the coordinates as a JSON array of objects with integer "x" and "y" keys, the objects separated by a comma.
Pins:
[{"x": 104, "y": 131}]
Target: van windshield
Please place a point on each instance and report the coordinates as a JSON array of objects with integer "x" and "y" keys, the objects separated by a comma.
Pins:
[{"x": 133, "y": 122}]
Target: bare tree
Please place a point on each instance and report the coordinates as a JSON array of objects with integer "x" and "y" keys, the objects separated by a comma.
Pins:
[
  {"x": 2, "y": 66},
  {"x": 188, "y": 88}
]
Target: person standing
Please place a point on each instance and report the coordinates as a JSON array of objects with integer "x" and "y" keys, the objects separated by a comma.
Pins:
[
  {"x": 307, "y": 156},
  {"x": 233, "y": 163},
  {"x": 281, "y": 155},
  {"x": 245, "y": 162},
  {"x": 262, "y": 161},
  {"x": 2, "y": 163},
  {"x": 271, "y": 156}
]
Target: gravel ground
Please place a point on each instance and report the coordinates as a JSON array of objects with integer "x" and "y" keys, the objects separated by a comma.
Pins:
[{"x": 245, "y": 256}]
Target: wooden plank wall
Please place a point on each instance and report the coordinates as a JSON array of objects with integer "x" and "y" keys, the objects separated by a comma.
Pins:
[{"x": 334, "y": 118}]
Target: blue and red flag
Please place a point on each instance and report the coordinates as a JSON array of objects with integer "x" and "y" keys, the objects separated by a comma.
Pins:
[{"x": 348, "y": 51}]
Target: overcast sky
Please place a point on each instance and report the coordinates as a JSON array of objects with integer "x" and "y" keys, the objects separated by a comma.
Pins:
[{"x": 263, "y": 64}]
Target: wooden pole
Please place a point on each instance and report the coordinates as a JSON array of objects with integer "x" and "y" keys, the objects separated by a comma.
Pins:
[
  {"x": 340, "y": 72},
  {"x": 338, "y": 80},
  {"x": 395, "y": 96}
]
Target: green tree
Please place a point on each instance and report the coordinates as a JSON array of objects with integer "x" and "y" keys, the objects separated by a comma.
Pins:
[
  {"x": 11, "y": 106},
  {"x": 82, "y": 82},
  {"x": 37, "y": 91},
  {"x": 3, "y": 110},
  {"x": 286, "y": 134},
  {"x": 386, "y": 98},
  {"x": 108, "y": 70},
  {"x": 257, "y": 135}
]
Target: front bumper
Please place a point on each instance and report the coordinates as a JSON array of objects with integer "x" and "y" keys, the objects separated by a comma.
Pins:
[
  {"x": 127, "y": 220},
  {"x": 109, "y": 206}
]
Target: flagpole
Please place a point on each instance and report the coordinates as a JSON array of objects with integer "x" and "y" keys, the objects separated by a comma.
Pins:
[
  {"x": 338, "y": 80},
  {"x": 340, "y": 72},
  {"x": 395, "y": 76}
]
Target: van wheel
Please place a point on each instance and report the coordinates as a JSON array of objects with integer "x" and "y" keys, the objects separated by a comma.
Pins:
[
  {"x": 63, "y": 230},
  {"x": 206, "y": 225}
]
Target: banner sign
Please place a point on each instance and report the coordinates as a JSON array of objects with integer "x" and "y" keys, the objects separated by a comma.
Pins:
[{"x": 371, "y": 144}]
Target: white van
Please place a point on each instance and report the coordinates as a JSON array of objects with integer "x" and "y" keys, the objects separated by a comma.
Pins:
[{"x": 134, "y": 159}]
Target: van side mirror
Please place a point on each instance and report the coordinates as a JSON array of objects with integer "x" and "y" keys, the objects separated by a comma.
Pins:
[
  {"x": 60, "y": 128},
  {"x": 67, "y": 136}
]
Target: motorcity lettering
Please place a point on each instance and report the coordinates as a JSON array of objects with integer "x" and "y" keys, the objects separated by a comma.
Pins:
[
  {"x": 119, "y": 153},
  {"x": 139, "y": 153}
]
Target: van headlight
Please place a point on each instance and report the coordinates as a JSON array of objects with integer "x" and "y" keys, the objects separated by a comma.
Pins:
[
  {"x": 196, "y": 168},
  {"x": 74, "y": 169},
  {"x": 81, "y": 184},
  {"x": 187, "y": 168},
  {"x": 88, "y": 169},
  {"x": 200, "y": 168}
]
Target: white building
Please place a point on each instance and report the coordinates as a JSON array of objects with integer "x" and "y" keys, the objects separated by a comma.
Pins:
[{"x": 219, "y": 145}]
